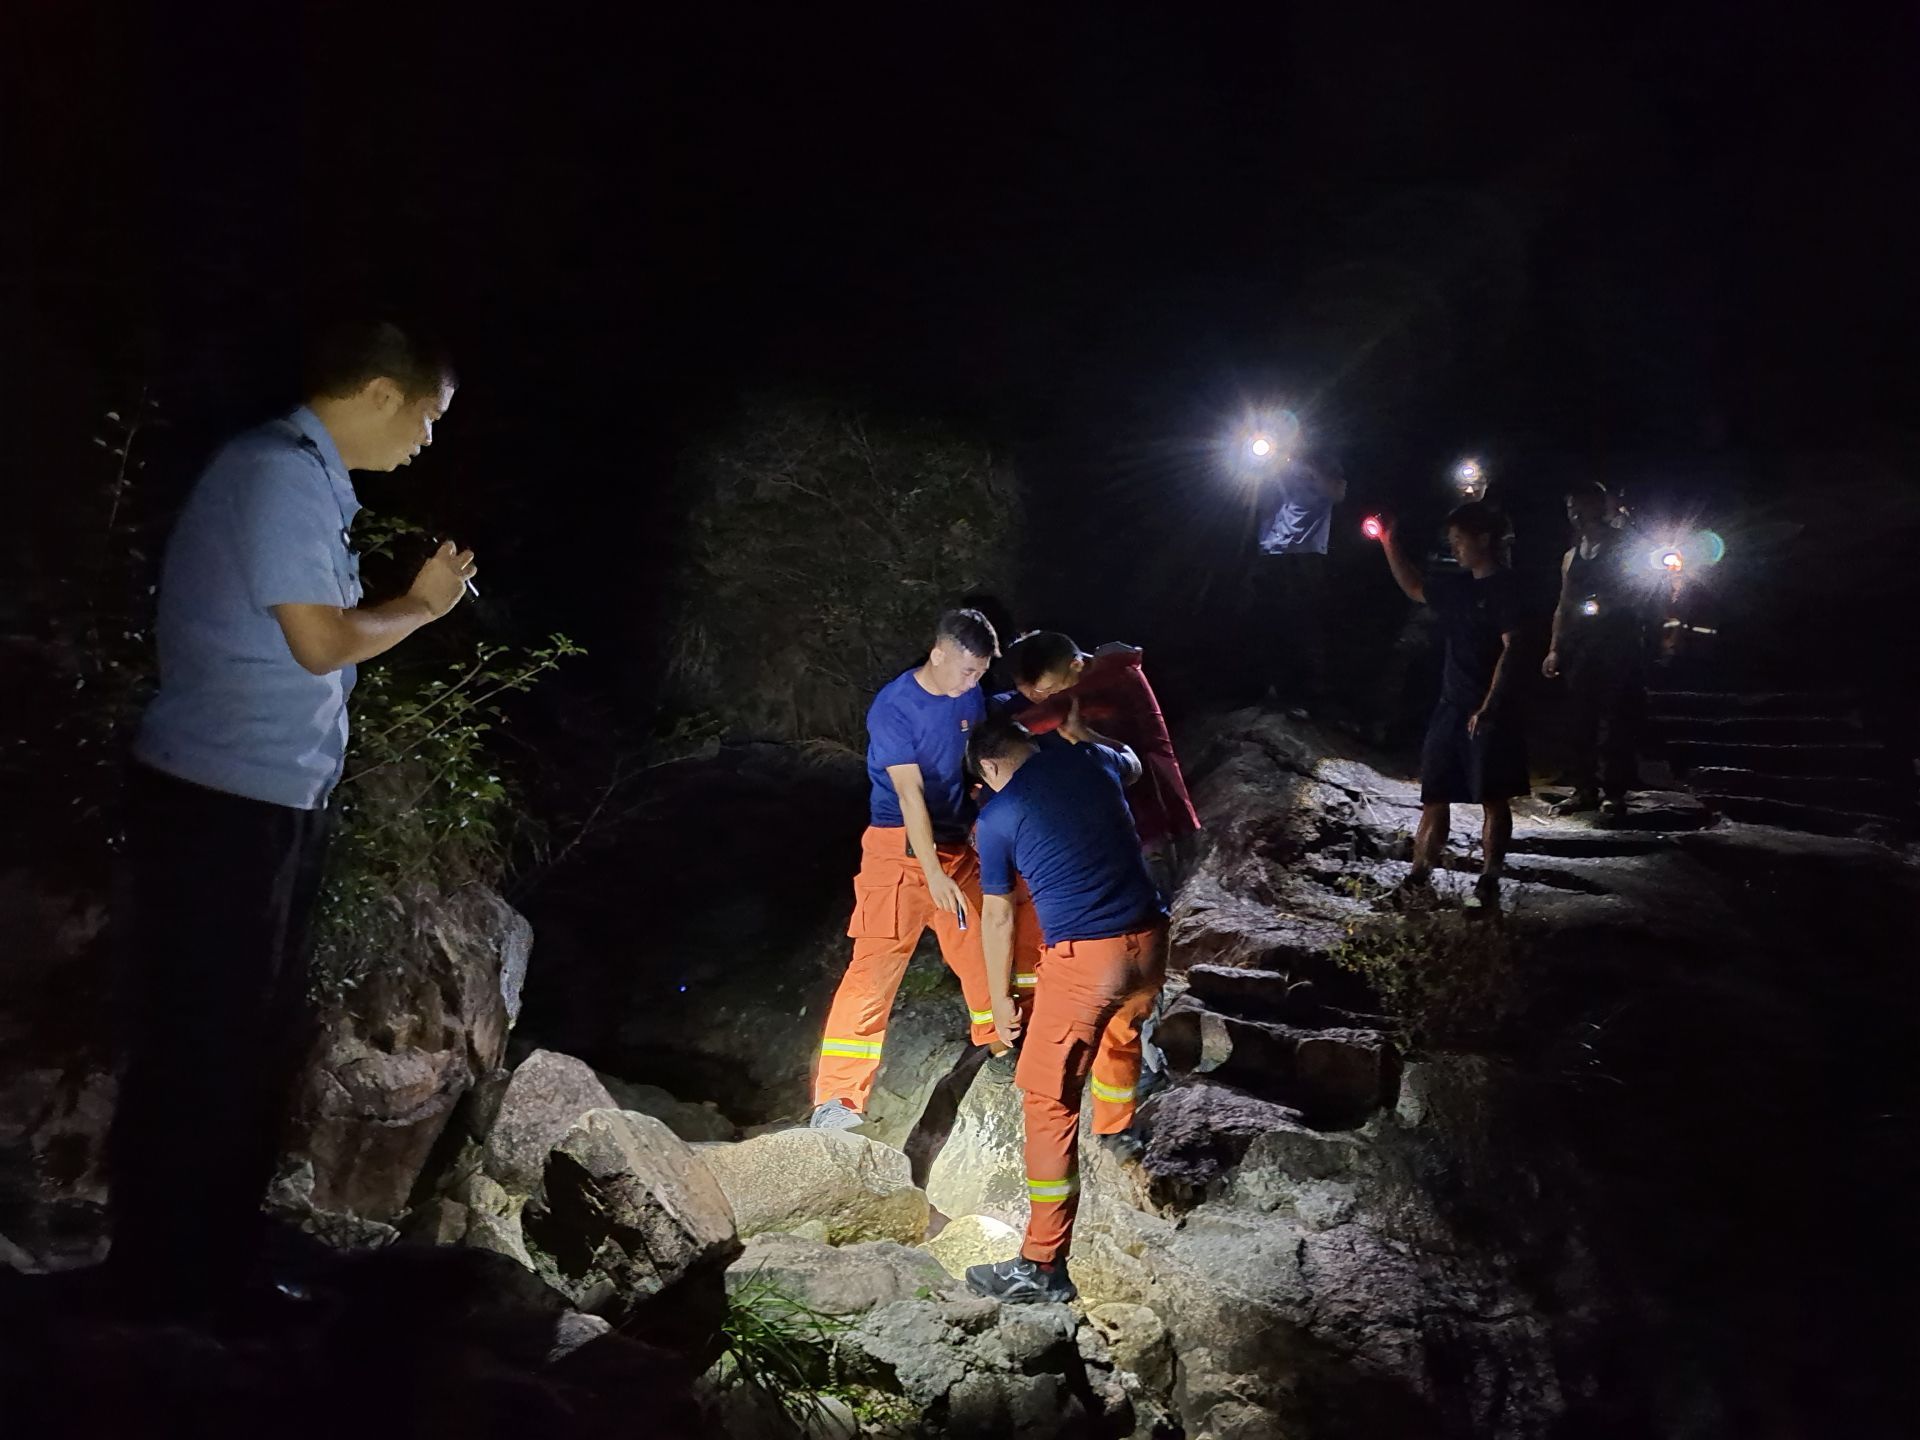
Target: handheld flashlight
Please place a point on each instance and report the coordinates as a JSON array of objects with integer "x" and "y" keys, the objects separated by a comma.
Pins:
[
  {"x": 1373, "y": 527},
  {"x": 1673, "y": 561},
  {"x": 1591, "y": 607},
  {"x": 1261, "y": 447},
  {"x": 1471, "y": 478}
]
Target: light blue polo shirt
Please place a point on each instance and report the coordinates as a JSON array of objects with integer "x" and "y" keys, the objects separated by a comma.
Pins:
[{"x": 266, "y": 525}]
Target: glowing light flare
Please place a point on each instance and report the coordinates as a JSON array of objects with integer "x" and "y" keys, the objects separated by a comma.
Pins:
[
  {"x": 1261, "y": 447},
  {"x": 1469, "y": 474},
  {"x": 1591, "y": 607},
  {"x": 1672, "y": 561},
  {"x": 1712, "y": 548},
  {"x": 1373, "y": 527}
]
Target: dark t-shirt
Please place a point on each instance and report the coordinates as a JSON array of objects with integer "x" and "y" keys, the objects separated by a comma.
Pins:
[
  {"x": 1613, "y": 624},
  {"x": 908, "y": 726},
  {"x": 1473, "y": 615},
  {"x": 1062, "y": 825}
]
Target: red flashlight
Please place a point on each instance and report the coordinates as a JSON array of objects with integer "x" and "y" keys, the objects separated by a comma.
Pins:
[{"x": 1373, "y": 527}]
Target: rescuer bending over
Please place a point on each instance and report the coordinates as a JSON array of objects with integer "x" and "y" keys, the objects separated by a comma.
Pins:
[{"x": 1059, "y": 820}]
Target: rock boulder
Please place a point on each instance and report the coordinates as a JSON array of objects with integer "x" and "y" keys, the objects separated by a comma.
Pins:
[
  {"x": 857, "y": 1189},
  {"x": 629, "y": 1214}
]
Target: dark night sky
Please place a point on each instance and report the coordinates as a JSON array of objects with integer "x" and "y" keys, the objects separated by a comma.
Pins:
[{"x": 1084, "y": 233}]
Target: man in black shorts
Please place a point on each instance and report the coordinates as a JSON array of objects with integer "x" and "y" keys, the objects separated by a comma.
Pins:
[{"x": 1475, "y": 751}]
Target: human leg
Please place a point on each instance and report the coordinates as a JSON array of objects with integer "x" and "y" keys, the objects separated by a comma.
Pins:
[
  {"x": 889, "y": 912},
  {"x": 217, "y": 1027},
  {"x": 1117, "y": 1058}
]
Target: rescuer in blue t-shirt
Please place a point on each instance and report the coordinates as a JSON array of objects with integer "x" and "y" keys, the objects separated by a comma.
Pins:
[
  {"x": 1059, "y": 821},
  {"x": 917, "y": 863}
]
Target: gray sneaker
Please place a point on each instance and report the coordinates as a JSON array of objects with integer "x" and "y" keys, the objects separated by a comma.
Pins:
[
  {"x": 1020, "y": 1281},
  {"x": 835, "y": 1115}
]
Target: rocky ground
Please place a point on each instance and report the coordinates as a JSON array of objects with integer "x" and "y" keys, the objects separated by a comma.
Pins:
[{"x": 1631, "y": 1158}]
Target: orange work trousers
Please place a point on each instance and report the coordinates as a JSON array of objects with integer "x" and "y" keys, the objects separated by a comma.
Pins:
[
  {"x": 1092, "y": 999},
  {"x": 891, "y": 908}
]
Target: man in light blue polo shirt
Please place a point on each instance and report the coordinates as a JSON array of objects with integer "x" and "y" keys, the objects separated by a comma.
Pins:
[{"x": 260, "y": 627}]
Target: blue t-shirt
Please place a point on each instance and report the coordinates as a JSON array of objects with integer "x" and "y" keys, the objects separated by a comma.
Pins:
[
  {"x": 908, "y": 726},
  {"x": 266, "y": 525},
  {"x": 1063, "y": 825}
]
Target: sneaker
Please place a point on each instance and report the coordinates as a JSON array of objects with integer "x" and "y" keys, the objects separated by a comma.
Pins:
[
  {"x": 835, "y": 1115},
  {"x": 1613, "y": 812},
  {"x": 1021, "y": 1281},
  {"x": 1577, "y": 803},
  {"x": 1486, "y": 894}
]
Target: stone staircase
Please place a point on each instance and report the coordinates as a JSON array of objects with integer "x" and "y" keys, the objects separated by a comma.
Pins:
[{"x": 1803, "y": 760}]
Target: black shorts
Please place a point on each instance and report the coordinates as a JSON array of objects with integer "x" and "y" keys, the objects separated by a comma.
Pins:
[{"x": 1458, "y": 768}]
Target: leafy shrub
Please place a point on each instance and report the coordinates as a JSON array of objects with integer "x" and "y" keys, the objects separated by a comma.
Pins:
[
  {"x": 84, "y": 644},
  {"x": 421, "y": 799},
  {"x": 1444, "y": 979},
  {"x": 822, "y": 548}
]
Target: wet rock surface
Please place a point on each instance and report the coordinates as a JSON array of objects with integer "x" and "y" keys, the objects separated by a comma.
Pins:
[{"x": 1454, "y": 1176}]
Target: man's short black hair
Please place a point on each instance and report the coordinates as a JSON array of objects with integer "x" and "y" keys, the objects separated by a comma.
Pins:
[
  {"x": 1479, "y": 519},
  {"x": 346, "y": 356},
  {"x": 1035, "y": 656},
  {"x": 998, "y": 737},
  {"x": 970, "y": 630}
]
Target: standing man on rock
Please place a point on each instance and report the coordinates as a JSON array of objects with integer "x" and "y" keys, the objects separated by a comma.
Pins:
[
  {"x": 260, "y": 627},
  {"x": 1291, "y": 579},
  {"x": 917, "y": 862},
  {"x": 1059, "y": 820},
  {"x": 1597, "y": 648},
  {"x": 1475, "y": 750}
]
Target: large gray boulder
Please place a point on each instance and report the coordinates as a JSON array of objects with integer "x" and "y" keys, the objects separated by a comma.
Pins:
[
  {"x": 547, "y": 1095},
  {"x": 630, "y": 1214},
  {"x": 840, "y": 1280},
  {"x": 852, "y": 1187},
  {"x": 974, "y": 1369}
]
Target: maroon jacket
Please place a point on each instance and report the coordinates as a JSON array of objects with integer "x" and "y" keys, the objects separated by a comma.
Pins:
[{"x": 1116, "y": 700}]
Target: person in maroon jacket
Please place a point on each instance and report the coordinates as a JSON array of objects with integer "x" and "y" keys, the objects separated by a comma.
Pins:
[{"x": 1050, "y": 673}]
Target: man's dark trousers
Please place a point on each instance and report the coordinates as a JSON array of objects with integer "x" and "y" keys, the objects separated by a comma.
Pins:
[
  {"x": 1607, "y": 701},
  {"x": 217, "y": 1026}
]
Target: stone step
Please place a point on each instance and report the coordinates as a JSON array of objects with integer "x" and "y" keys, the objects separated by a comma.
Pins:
[
  {"x": 1751, "y": 702},
  {"x": 1844, "y": 758},
  {"x": 1814, "y": 819},
  {"x": 1751, "y": 729},
  {"x": 1894, "y": 798},
  {"x": 1262, "y": 994},
  {"x": 1589, "y": 844},
  {"x": 1335, "y": 1077}
]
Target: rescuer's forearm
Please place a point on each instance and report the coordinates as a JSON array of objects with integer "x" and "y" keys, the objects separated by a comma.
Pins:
[
  {"x": 996, "y": 938},
  {"x": 1498, "y": 687},
  {"x": 913, "y": 810},
  {"x": 1405, "y": 574}
]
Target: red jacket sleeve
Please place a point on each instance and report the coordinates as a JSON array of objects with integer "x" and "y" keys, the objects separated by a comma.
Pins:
[{"x": 1162, "y": 809}]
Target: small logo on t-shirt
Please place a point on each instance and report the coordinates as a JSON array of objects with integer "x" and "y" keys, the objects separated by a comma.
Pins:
[{"x": 963, "y": 723}]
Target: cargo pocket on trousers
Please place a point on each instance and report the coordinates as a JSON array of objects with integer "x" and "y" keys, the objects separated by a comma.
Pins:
[{"x": 876, "y": 912}]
